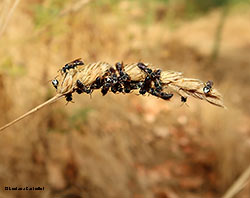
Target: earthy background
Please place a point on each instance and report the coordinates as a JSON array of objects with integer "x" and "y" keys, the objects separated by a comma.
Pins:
[{"x": 124, "y": 145}]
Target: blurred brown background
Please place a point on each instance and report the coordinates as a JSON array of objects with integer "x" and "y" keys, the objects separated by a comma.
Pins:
[{"x": 124, "y": 145}]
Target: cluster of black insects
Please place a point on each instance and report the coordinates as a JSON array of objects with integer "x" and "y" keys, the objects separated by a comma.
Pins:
[{"x": 117, "y": 80}]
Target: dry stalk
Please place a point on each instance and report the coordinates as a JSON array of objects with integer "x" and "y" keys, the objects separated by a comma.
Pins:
[
  {"x": 52, "y": 100},
  {"x": 171, "y": 81},
  {"x": 4, "y": 24},
  {"x": 238, "y": 185}
]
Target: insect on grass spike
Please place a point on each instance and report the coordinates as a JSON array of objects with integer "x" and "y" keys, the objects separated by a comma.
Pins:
[
  {"x": 98, "y": 83},
  {"x": 166, "y": 96},
  {"x": 144, "y": 68},
  {"x": 183, "y": 99},
  {"x": 55, "y": 83},
  {"x": 72, "y": 65},
  {"x": 123, "y": 76},
  {"x": 137, "y": 80},
  {"x": 69, "y": 97},
  {"x": 208, "y": 86}
]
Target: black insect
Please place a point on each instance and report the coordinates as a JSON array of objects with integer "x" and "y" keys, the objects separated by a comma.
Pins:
[
  {"x": 114, "y": 89},
  {"x": 136, "y": 84},
  {"x": 157, "y": 73},
  {"x": 165, "y": 96},
  {"x": 153, "y": 92},
  {"x": 79, "y": 84},
  {"x": 55, "y": 83},
  {"x": 162, "y": 95},
  {"x": 158, "y": 86},
  {"x": 183, "y": 99},
  {"x": 124, "y": 77},
  {"x": 79, "y": 91},
  {"x": 111, "y": 80},
  {"x": 155, "y": 76},
  {"x": 82, "y": 88},
  {"x": 117, "y": 87},
  {"x": 107, "y": 80},
  {"x": 119, "y": 67},
  {"x": 143, "y": 67},
  {"x": 113, "y": 76},
  {"x": 88, "y": 90},
  {"x": 97, "y": 84},
  {"x": 127, "y": 87},
  {"x": 106, "y": 86},
  {"x": 68, "y": 97},
  {"x": 146, "y": 85},
  {"x": 208, "y": 87},
  {"x": 72, "y": 65},
  {"x": 105, "y": 89}
]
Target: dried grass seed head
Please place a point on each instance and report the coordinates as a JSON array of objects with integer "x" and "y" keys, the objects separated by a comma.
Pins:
[{"x": 170, "y": 80}]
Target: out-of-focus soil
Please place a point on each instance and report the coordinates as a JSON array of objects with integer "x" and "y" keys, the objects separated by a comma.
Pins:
[{"x": 123, "y": 145}]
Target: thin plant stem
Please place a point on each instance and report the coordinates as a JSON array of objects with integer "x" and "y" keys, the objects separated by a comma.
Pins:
[
  {"x": 218, "y": 35},
  {"x": 52, "y": 100},
  {"x": 238, "y": 185},
  {"x": 8, "y": 17}
]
